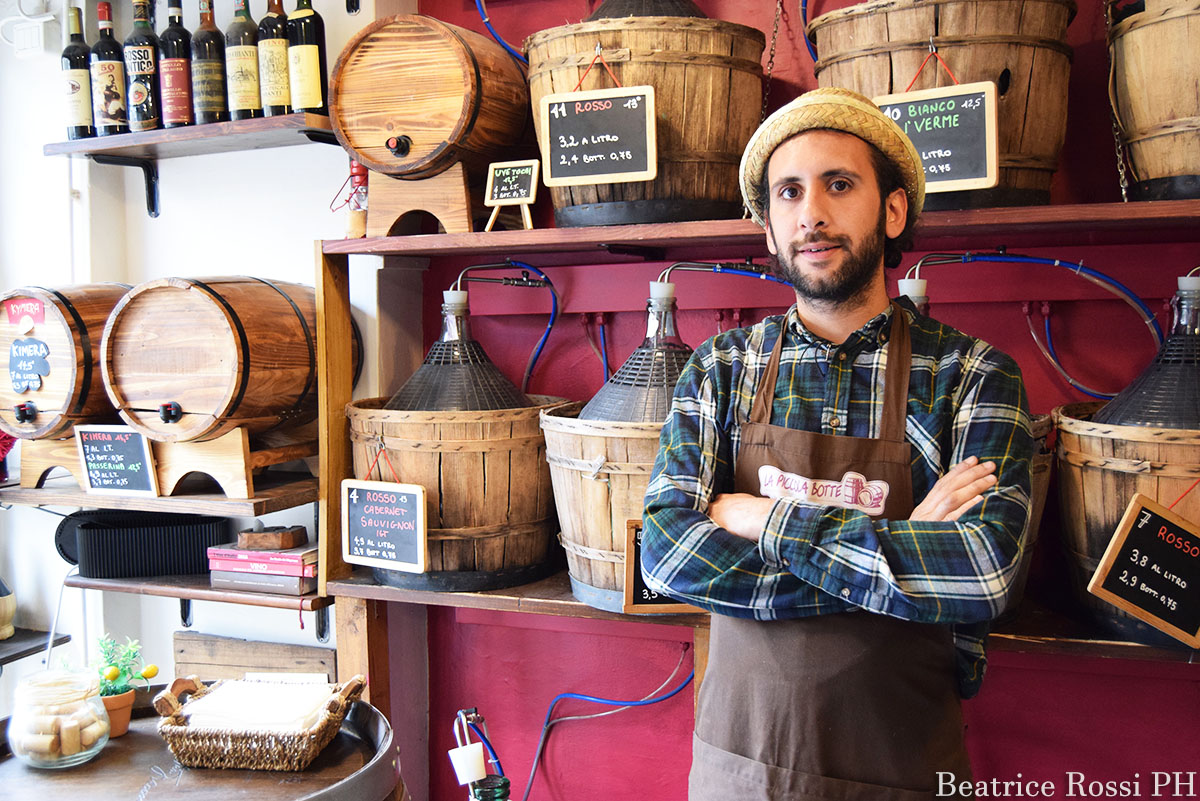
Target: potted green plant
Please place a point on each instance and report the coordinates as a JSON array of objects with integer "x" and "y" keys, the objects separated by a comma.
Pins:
[{"x": 121, "y": 666}]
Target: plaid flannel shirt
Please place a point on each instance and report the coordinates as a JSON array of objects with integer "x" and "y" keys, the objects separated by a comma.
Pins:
[{"x": 965, "y": 398}]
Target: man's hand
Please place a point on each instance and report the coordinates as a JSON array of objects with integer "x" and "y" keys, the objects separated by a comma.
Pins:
[
  {"x": 741, "y": 514},
  {"x": 954, "y": 493}
]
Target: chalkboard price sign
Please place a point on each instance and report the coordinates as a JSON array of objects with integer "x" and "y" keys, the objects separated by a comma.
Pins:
[
  {"x": 640, "y": 599},
  {"x": 383, "y": 525},
  {"x": 1151, "y": 569},
  {"x": 510, "y": 183},
  {"x": 600, "y": 136},
  {"x": 954, "y": 131},
  {"x": 116, "y": 460}
]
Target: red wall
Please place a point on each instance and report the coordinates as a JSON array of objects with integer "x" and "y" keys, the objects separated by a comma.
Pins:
[{"x": 1036, "y": 716}]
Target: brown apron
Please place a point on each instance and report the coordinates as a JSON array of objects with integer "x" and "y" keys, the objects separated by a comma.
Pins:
[{"x": 851, "y": 706}]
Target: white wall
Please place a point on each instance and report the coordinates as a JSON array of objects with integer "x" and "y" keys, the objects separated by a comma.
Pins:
[{"x": 65, "y": 221}]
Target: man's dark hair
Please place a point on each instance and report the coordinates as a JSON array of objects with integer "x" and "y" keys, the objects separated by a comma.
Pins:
[{"x": 889, "y": 178}]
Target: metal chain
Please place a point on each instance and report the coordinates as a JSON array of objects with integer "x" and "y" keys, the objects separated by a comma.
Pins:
[
  {"x": 1112, "y": 112},
  {"x": 1124, "y": 181},
  {"x": 771, "y": 59}
]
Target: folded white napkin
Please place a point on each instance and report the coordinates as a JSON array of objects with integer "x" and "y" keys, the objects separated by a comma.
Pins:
[{"x": 257, "y": 706}]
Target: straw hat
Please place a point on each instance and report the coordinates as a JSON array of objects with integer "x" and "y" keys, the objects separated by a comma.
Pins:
[{"x": 838, "y": 110}]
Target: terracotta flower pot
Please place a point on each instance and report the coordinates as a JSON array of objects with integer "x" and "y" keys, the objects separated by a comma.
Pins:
[{"x": 119, "y": 707}]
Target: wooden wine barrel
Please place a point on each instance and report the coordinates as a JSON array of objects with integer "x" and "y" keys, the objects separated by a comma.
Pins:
[
  {"x": 877, "y": 48},
  {"x": 707, "y": 81},
  {"x": 1100, "y": 467},
  {"x": 54, "y": 374},
  {"x": 600, "y": 470},
  {"x": 228, "y": 352},
  {"x": 411, "y": 95},
  {"x": 1153, "y": 91},
  {"x": 489, "y": 505}
]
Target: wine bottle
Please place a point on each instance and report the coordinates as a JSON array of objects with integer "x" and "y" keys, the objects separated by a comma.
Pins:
[
  {"x": 175, "y": 69},
  {"x": 306, "y": 58},
  {"x": 77, "y": 79},
  {"x": 208, "y": 69},
  {"x": 273, "y": 61},
  {"x": 108, "y": 77},
  {"x": 241, "y": 64},
  {"x": 141, "y": 71}
]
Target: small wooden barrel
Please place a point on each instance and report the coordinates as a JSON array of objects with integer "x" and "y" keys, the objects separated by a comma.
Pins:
[
  {"x": 53, "y": 338},
  {"x": 411, "y": 95},
  {"x": 488, "y": 500},
  {"x": 1100, "y": 467},
  {"x": 1154, "y": 95},
  {"x": 229, "y": 352},
  {"x": 1039, "y": 485},
  {"x": 600, "y": 470},
  {"x": 876, "y": 48},
  {"x": 707, "y": 83}
]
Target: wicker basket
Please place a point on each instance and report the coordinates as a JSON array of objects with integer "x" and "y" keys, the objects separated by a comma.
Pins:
[{"x": 199, "y": 747}]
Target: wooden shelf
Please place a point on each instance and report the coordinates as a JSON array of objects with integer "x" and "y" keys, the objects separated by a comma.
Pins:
[
  {"x": 272, "y": 493},
  {"x": 1036, "y": 630},
  {"x": 550, "y": 596},
  {"x": 197, "y": 140},
  {"x": 978, "y": 229},
  {"x": 26, "y": 642},
  {"x": 196, "y": 588}
]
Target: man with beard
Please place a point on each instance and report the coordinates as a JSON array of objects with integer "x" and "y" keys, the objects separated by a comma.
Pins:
[{"x": 845, "y": 486}]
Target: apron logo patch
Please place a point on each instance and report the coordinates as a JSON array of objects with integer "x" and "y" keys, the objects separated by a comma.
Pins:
[{"x": 854, "y": 491}]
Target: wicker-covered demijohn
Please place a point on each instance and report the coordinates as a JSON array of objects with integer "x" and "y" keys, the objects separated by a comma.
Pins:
[{"x": 197, "y": 746}]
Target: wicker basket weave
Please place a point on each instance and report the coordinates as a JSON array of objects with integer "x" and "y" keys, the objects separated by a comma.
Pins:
[{"x": 200, "y": 747}]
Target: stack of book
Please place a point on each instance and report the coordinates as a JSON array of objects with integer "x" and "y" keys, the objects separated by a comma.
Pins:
[{"x": 288, "y": 572}]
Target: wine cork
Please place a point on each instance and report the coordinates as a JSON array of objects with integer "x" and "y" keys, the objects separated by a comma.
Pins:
[
  {"x": 84, "y": 716},
  {"x": 44, "y": 724},
  {"x": 70, "y": 734},
  {"x": 44, "y": 744},
  {"x": 93, "y": 733}
]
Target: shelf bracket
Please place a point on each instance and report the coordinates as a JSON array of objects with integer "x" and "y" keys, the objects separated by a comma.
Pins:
[
  {"x": 321, "y": 136},
  {"x": 185, "y": 612},
  {"x": 322, "y": 624},
  {"x": 644, "y": 252},
  {"x": 149, "y": 172}
]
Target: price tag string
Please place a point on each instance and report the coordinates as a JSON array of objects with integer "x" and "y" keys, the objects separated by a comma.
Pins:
[
  {"x": 1185, "y": 492},
  {"x": 383, "y": 452},
  {"x": 600, "y": 55},
  {"x": 932, "y": 54}
]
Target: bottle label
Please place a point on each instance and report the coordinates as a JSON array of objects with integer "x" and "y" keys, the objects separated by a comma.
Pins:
[
  {"x": 139, "y": 61},
  {"x": 304, "y": 66},
  {"x": 175, "y": 89},
  {"x": 241, "y": 70},
  {"x": 208, "y": 85},
  {"x": 108, "y": 94},
  {"x": 301, "y": 12},
  {"x": 78, "y": 85},
  {"x": 273, "y": 72}
]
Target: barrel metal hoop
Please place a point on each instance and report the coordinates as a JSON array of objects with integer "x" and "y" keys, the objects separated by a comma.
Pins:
[
  {"x": 310, "y": 343},
  {"x": 1135, "y": 466},
  {"x": 85, "y": 344},
  {"x": 889, "y": 48},
  {"x": 242, "y": 338},
  {"x": 477, "y": 100},
  {"x": 590, "y": 469},
  {"x": 595, "y": 554}
]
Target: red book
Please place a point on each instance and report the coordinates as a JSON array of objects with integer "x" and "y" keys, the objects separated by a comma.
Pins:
[{"x": 266, "y": 568}]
